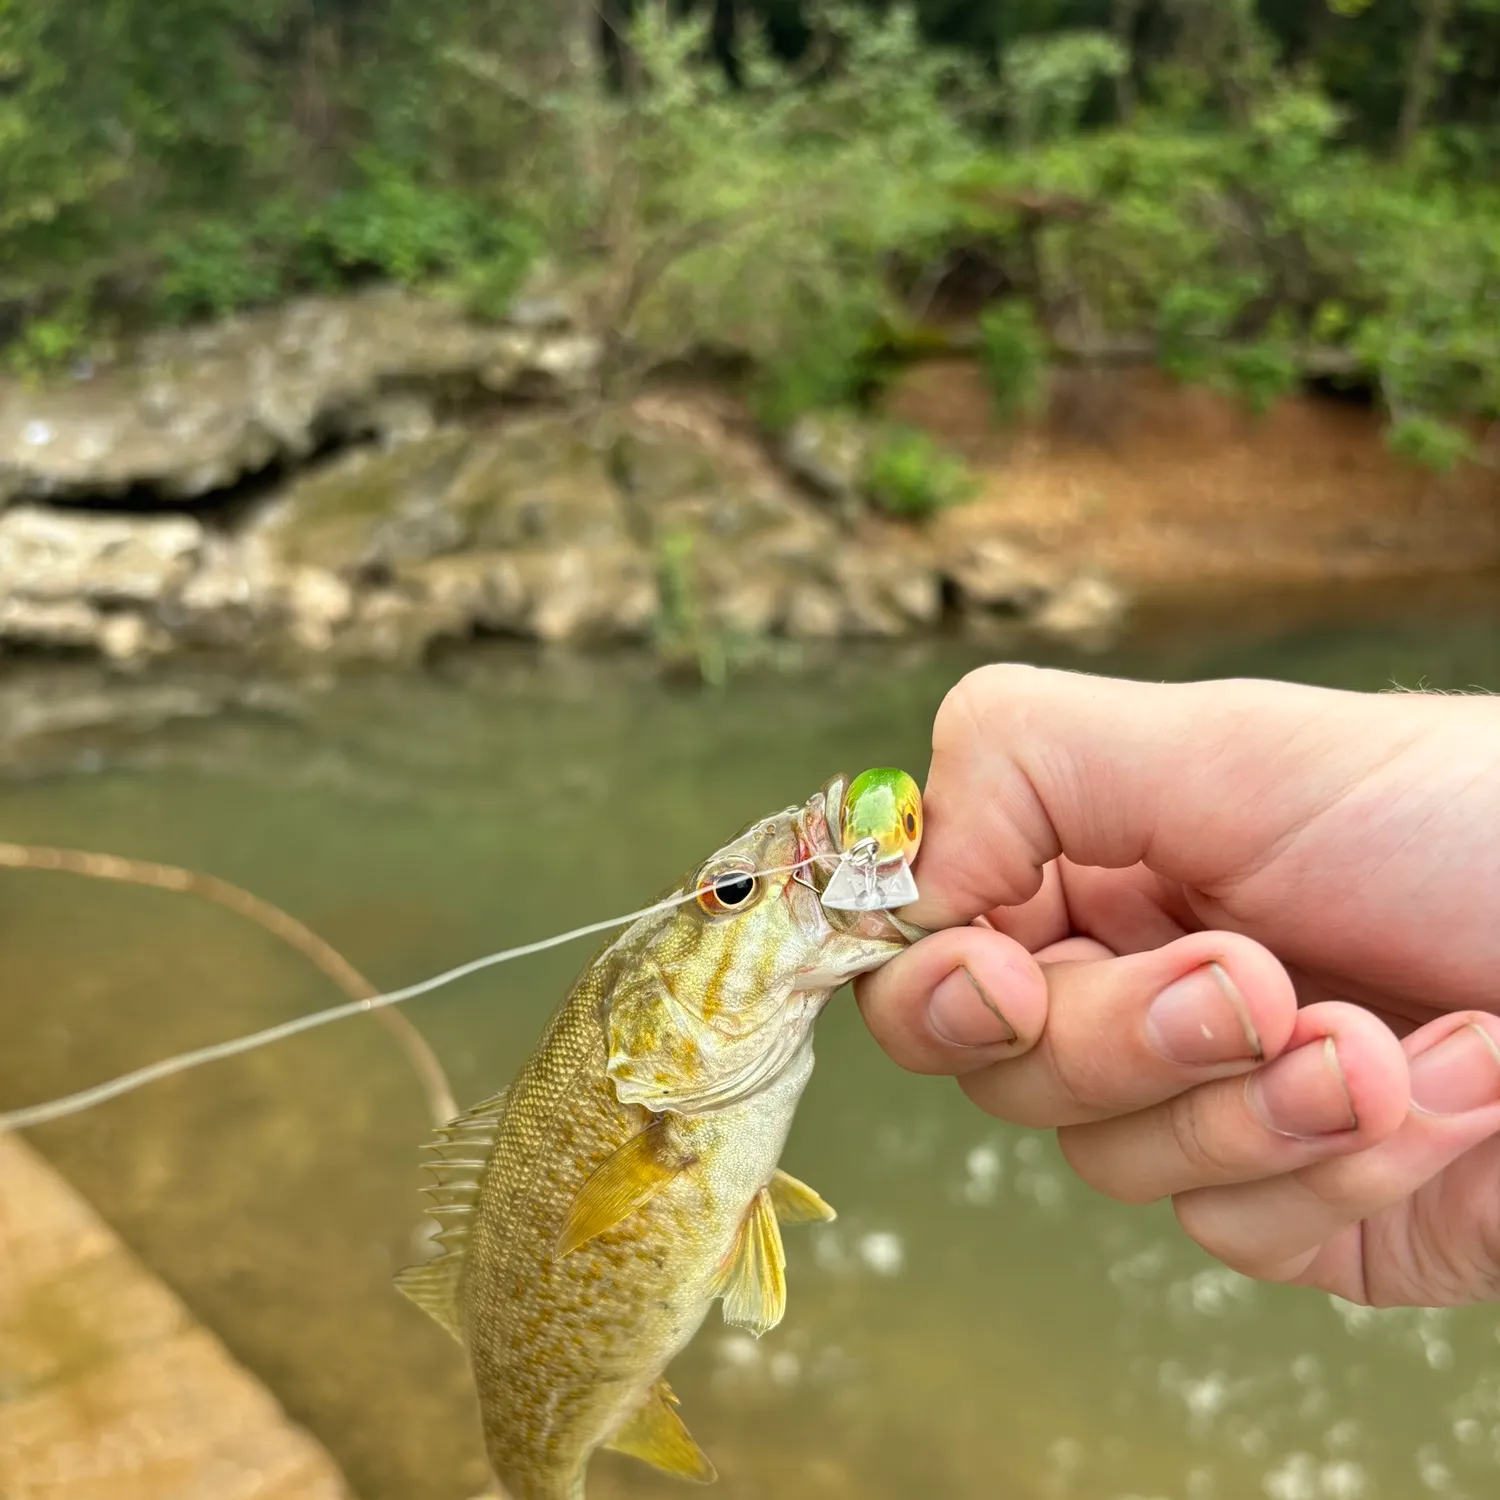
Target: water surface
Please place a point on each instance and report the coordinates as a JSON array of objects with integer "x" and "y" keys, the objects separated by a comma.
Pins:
[{"x": 977, "y": 1324}]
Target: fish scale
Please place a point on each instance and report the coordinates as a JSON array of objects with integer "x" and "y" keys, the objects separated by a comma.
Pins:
[{"x": 629, "y": 1177}]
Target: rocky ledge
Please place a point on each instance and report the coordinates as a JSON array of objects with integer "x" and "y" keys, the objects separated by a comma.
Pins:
[{"x": 417, "y": 478}]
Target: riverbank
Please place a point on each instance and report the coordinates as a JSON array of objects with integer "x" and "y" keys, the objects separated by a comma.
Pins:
[
  {"x": 109, "y": 1388},
  {"x": 377, "y": 478},
  {"x": 1172, "y": 489}
]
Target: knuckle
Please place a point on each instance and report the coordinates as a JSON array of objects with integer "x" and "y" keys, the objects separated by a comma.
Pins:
[
  {"x": 1088, "y": 1153},
  {"x": 1006, "y": 1091},
  {"x": 1091, "y": 1071},
  {"x": 975, "y": 696},
  {"x": 1207, "y": 1157},
  {"x": 1199, "y": 1218}
]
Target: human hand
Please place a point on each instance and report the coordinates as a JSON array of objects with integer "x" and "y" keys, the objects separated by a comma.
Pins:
[{"x": 1239, "y": 943}]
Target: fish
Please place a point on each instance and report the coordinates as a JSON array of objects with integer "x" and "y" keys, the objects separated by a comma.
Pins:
[{"x": 592, "y": 1212}]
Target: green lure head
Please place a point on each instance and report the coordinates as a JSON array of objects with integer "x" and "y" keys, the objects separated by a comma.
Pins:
[
  {"x": 879, "y": 830},
  {"x": 885, "y": 805}
]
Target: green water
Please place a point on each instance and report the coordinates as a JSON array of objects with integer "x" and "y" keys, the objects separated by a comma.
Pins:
[{"x": 977, "y": 1324}]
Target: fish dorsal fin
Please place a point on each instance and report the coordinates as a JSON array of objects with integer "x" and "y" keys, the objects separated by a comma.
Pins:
[
  {"x": 753, "y": 1281},
  {"x": 657, "y": 1435},
  {"x": 795, "y": 1202},
  {"x": 639, "y": 1170},
  {"x": 461, "y": 1151}
]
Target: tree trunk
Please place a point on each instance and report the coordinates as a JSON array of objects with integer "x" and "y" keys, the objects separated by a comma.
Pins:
[
  {"x": 1419, "y": 80},
  {"x": 1122, "y": 24}
]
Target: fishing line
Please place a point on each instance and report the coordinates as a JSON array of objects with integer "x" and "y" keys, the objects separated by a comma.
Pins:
[{"x": 126, "y": 1083}]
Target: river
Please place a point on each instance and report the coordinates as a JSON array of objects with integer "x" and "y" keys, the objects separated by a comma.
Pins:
[{"x": 977, "y": 1324}]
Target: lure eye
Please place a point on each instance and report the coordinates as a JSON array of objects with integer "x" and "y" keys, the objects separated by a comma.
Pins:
[
  {"x": 910, "y": 821},
  {"x": 729, "y": 890}
]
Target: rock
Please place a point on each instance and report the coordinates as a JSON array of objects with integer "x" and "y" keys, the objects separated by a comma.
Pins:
[
  {"x": 547, "y": 302},
  {"x": 370, "y": 510},
  {"x": 570, "y": 362},
  {"x": 52, "y": 555},
  {"x": 131, "y": 640},
  {"x": 1085, "y": 612},
  {"x": 828, "y": 450},
  {"x": 188, "y": 411},
  {"x": 64, "y": 624},
  {"x": 581, "y": 594},
  {"x": 887, "y": 587},
  {"x": 814, "y": 613},
  {"x": 991, "y": 573},
  {"x": 754, "y": 557},
  {"x": 111, "y": 1390},
  {"x": 390, "y": 626},
  {"x": 316, "y": 603},
  {"x": 397, "y": 417},
  {"x": 230, "y": 599},
  {"x": 527, "y": 484}
]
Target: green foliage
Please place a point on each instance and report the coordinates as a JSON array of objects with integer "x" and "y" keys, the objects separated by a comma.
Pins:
[
  {"x": 1048, "y": 80},
  {"x": 1435, "y": 444},
  {"x": 1014, "y": 353},
  {"x": 46, "y": 344},
  {"x": 684, "y": 639},
  {"x": 1262, "y": 373},
  {"x": 394, "y": 226},
  {"x": 1245, "y": 211},
  {"x": 826, "y": 364},
  {"x": 753, "y": 219},
  {"x": 908, "y": 473},
  {"x": 218, "y": 266}
]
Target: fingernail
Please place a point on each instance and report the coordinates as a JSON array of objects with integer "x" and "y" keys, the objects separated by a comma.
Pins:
[
  {"x": 962, "y": 1013},
  {"x": 1202, "y": 1020},
  {"x": 1304, "y": 1093},
  {"x": 1461, "y": 1073}
]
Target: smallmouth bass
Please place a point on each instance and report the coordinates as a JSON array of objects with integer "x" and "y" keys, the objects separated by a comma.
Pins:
[{"x": 628, "y": 1178}]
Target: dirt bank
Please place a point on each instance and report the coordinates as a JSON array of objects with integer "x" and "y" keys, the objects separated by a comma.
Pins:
[{"x": 1168, "y": 487}]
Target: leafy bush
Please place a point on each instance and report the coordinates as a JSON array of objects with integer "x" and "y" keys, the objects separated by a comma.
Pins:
[
  {"x": 1013, "y": 350},
  {"x": 828, "y": 364},
  {"x": 393, "y": 226},
  {"x": 1262, "y": 373},
  {"x": 1048, "y": 80},
  {"x": 219, "y": 266},
  {"x": 908, "y": 473},
  {"x": 1435, "y": 444},
  {"x": 45, "y": 344}
]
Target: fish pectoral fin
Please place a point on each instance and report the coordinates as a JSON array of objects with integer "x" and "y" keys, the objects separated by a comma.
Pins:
[
  {"x": 434, "y": 1288},
  {"x": 753, "y": 1281},
  {"x": 795, "y": 1202},
  {"x": 639, "y": 1170},
  {"x": 657, "y": 1435}
]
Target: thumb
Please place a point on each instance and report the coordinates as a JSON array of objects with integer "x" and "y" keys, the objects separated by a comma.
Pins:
[{"x": 1201, "y": 782}]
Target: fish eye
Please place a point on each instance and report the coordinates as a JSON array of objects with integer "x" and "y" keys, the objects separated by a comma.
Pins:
[
  {"x": 727, "y": 891},
  {"x": 733, "y": 890}
]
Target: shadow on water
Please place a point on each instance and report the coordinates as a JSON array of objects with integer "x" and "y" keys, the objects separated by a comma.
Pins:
[{"x": 976, "y": 1324}]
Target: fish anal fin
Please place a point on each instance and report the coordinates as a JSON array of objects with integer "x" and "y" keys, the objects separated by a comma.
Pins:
[
  {"x": 657, "y": 1435},
  {"x": 434, "y": 1288},
  {"x": 795, "y": 1202},
  {"x": 639, "y": 1170},
  {"x": 753, "y": 1281}
]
